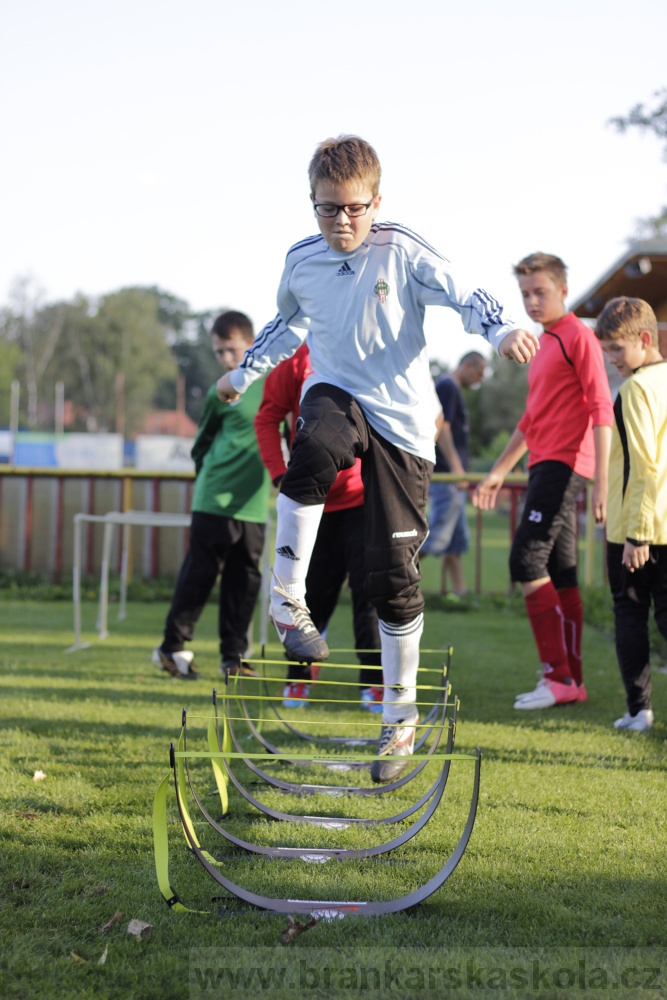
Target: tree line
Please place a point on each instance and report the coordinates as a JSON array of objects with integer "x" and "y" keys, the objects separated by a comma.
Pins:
[
  {"x": 117, "y": 356},
  {"x": 120, "y": 355}
]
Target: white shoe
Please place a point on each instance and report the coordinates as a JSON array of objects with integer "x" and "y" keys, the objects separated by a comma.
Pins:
[
  {"x": 527, "y": 694},
  {"x": 638, "y": 723},
  {"x": 177, "y": 664},
  {"x": 547, "y": 694}
]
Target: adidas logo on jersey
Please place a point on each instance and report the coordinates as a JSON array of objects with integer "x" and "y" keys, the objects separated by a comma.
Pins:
[
  {"x": 344, "y": 271},
  {"x": 287, "y": 553}
]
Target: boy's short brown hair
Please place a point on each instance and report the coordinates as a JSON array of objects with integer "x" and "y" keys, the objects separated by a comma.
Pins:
[
  {"x": 542, "y": 262},
  {"x": 343, "y": 159},
  {"x": 625, "y": 318},
  {"x": 232, "y": 320}
]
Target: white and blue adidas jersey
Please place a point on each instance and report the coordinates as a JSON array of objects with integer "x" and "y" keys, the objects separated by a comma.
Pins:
[{"x": 362, "y": 314}]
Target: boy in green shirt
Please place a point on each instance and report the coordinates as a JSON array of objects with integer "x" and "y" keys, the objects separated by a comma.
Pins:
[{"x": 229, "y": 511}]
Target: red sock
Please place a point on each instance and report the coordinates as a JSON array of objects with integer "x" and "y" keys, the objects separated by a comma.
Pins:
[
  {"x": 546, "y": 619},
  {"x": 573, "y": 609}
]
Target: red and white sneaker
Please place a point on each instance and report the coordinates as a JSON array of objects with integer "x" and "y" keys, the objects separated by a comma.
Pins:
[
  {"x": 547, "y": 694},
  {"x": 371, "y": 699},
  {"x": 582, "y": 694},
  {"x": 296, "y": 695}
]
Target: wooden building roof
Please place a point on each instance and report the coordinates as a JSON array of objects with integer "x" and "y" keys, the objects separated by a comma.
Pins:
[{"x": 641, "y": 273}]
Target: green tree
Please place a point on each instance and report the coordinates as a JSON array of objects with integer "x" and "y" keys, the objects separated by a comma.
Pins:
[
  {"x": 117, "y": 356},
  {"x": 10, "y": 357},
  {"x": 649, "y": 119},
  {"x": 24, "y": 326},
  {"x": 196, "y": 363},
  {"x": 496, "y": 407},
  {"x": 111, "y": 355}
]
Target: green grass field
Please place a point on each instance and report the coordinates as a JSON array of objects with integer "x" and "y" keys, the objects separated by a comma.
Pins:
[{"x": 568, "y": 849}]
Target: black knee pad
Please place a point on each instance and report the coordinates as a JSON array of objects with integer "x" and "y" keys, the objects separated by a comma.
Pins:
[
  {"x": 326, "y": 441},
  {"x": 525, "y": 565},
  {"x": 392, "y": 584}
]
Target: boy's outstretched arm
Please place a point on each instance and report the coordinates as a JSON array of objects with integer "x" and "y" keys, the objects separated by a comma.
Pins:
[
  {"x": 602, "y": 437},
  {"x": 226, "y": 390},
  {"x": 519, "y": 345},
  {"x": 486, "y": 492}
]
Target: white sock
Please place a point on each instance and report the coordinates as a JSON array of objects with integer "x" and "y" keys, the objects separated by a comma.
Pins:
[
  {"x": 400, "y": 662},
  {"x": 296, "y": 532}
]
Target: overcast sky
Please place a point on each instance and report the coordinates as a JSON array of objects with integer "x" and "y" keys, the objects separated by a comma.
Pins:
[{"x": 167, "y": 143}]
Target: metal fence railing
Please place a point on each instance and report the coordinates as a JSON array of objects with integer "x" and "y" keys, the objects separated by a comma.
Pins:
[{"x": 37, "y": 509}]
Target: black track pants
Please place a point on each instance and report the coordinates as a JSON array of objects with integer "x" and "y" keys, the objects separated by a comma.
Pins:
[
  {"x": 633, "y": 593},
  {"x": 233, "y": 549}
]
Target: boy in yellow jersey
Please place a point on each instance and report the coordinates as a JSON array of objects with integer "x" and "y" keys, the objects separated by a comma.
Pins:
[{"x": 637, "y": 509}]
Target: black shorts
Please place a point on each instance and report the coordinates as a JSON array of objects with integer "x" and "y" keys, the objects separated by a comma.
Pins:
[
  {"x": 332, "y": 432},
  {"x": 546, "y": 540}
]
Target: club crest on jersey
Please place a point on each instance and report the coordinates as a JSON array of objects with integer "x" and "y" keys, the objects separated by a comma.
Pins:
[{"x": 381, "y": 289}]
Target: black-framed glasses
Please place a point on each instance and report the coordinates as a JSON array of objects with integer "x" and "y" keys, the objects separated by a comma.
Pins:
[{"x": 328, "y": 211}]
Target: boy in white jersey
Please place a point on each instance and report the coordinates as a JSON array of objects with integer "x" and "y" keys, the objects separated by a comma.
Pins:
[{"x": 357, "y": 294}]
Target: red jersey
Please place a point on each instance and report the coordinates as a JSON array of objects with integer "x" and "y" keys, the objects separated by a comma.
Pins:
[
  {"x": 568, "y": 395},
  {"x": 282, "y": 395}
]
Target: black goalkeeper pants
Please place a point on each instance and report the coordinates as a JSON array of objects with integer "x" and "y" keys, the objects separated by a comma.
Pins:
[{"x": 332, "y": 432}]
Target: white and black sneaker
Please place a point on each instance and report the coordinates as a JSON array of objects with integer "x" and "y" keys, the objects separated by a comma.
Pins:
[
  {"x": 302, "y": 642},
  {"x": 177, "y": 664},
  {"x": 397, "y": 742},
  {"x": 639, "y": 723}
]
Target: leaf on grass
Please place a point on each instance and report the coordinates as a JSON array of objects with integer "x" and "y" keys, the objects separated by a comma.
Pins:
[
  {"x": 26, "y": 815},
  {"x": 77, "y": 958},
  {"x": 294, "y": 928},
  {"x": 103, "y": 957},
  {"x": 109, "y": 924},
  {"x": 38, "y": 776},
  {"x": 139, "y": 929}
]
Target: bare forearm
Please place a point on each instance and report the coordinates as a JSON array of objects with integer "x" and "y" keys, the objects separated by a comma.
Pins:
[
  {"x": 486, "y": 493},
  {"x": 448, "y": 449},
  {"x": 602, "y": 439},
  {"x": 512, "y": 453}
]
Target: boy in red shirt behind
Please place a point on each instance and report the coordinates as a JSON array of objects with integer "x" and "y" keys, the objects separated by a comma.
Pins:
[
  {"x": 339, "y": 548},
  {"x": 566, "y": 427}
]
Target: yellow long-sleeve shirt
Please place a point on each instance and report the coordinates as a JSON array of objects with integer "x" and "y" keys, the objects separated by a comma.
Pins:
[{"x": 637, "y": 505}]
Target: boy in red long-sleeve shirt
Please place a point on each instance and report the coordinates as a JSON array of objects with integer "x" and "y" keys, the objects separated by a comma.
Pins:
[
  {"x": 339, "y": 548},
  {"x": 566, "y": 427}
]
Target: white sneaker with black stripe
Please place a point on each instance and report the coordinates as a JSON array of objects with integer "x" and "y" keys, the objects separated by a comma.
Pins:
[
  {"x": 295, "y": 628},
  {"x": 397, "y": 743}
]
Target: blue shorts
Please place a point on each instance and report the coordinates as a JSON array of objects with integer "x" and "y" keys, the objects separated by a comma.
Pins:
[{"x": 447, "y": 524}]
